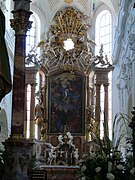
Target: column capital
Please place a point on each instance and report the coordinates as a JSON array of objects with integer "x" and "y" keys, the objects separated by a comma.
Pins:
[
  {"x": 33, "y": 84},
  {"x": 98, "y": 85},
  {"x": 31, "y": 75},
  {"x": 105, "y": 84},
  {"x": 21, "y": 22}
]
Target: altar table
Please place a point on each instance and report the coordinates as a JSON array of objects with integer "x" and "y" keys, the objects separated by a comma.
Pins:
[{"x": 61, "y": 172}]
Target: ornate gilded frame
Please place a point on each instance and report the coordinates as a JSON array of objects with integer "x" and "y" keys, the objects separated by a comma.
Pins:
[{"x": 66, "y": 103}]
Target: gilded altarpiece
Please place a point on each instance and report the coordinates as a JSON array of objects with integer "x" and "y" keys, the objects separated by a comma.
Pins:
[
  {"x": 66, "y": 120},
  {"x": 68, "y": 64},
  {"x": 67, "y": 71}
]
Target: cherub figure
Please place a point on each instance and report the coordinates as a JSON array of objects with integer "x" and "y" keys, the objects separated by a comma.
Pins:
[
  {"x": 76, "y": 155},
  {"x": 51, "y": 152},
  {"x": 70, "y": 140},
  {"x": 60, "y": 139}
]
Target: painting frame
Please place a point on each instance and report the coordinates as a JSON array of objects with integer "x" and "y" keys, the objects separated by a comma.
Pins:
[{"x": 66, "y": 103}]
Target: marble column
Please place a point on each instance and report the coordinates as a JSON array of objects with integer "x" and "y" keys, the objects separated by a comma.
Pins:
[
  {"x": 102, "y": 79},
  {"x": 25, "y": 114},
  {"x": 106, "y": 109},
  {"x": 20, "y": 24},
  {"x": 88, "y": 91},
  {"x": 44, "y": 126},
  {"x": 32, "y": 112},
  {"x": 88, "y": 114},
  {"x": 18, "y": 150},
  {"x": 92, "y": 101},
  {"x": 97, "y": 110}
]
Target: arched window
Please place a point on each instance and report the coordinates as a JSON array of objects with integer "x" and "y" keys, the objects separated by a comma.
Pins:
[
  {"x": 31, "y": 36},
  {"x": 103, "y": 35},
  {"x": 32, "y": 39}
]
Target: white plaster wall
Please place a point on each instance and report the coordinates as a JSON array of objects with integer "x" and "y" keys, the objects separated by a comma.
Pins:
[
  {"x": 123, "y": 60},
  {"x": 122, "y": 56}
]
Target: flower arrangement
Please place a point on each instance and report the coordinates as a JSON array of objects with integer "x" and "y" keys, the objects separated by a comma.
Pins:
[{"x": 107, "y": 162}]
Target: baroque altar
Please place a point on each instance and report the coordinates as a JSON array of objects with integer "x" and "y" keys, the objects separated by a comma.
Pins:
[{"x": 68, "y": 110}]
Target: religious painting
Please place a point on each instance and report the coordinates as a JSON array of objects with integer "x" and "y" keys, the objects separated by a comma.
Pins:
[{"x": 66, "y": 103}]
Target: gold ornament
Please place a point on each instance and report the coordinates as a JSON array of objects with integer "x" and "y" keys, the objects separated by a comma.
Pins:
[{"x": 68, "y": 1}]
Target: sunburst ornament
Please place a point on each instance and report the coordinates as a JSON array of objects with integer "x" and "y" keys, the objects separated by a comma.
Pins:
[
  {"x": 68, "y": 1},
  {"x": 68, "y": 23},
  {"x": 67, "y": 46}
]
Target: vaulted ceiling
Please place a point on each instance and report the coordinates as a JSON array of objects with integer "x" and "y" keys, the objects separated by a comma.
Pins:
[{"x": 50, "y": 7}]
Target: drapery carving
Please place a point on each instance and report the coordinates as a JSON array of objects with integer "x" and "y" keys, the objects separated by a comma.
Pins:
[{"x": 125, "y": 80}]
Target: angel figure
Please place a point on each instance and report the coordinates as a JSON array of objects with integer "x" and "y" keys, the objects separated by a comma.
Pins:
[
  {"x": 70, "y": 141},
  {"x": 51, "y": 152},
  {"x": 76, "y": 155},
  {"x": 60, "y": 139}
]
